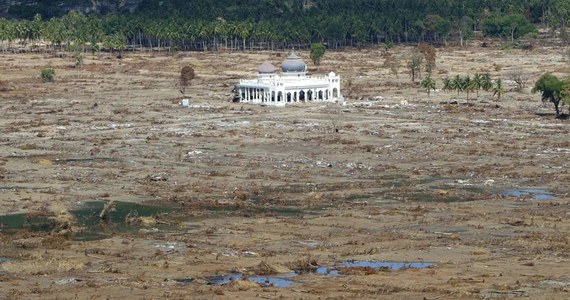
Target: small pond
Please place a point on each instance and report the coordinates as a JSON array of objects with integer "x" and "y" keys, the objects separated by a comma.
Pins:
[
  {"x": 537, "y": 194},
  {"x": 287, "y": 279}
]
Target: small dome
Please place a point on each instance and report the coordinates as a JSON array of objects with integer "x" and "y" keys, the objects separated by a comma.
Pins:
[
  {"x": 293, "y": 63},
  {"x": 266, "y": 68}
]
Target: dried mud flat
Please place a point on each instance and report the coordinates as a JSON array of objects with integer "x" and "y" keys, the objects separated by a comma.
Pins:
[{"x": 302, "y": 202}]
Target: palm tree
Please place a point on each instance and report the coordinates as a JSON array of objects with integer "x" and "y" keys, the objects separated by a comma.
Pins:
[
  {"x": 468, "y": 85},
  {"x": 448, "y": 84},
  {"x": 477, "y": 83},
  {"x": 54, "y": 32},
  {"x": 6, "y": 32},
  {"x": 498, "y": 89},
  {"x": 428, "y": 83},
  {"x": 486, "y": 82},
  {"x": 457, "y": 84}
]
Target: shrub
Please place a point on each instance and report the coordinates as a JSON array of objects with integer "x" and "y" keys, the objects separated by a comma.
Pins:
[{"x": 48, "y": 74}]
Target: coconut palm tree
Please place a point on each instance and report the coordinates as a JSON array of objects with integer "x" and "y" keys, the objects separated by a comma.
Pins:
[
  {"x": 428, "y": 84},
  {"x": 486, "y": 82},
  {"x": 468, "y": 85},
  {"x": 457, "y": 84},
  {"x": 448, "y": 84},
  {"x": 477, "y": 83},
  {"x": 498, "y": 89}
]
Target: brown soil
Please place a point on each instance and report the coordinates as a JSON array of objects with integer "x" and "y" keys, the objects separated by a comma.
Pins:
[{"x": 262, "y": 190}]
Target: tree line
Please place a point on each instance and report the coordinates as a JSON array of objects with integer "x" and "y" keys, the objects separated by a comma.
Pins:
[{"x": 238, "y": 25}]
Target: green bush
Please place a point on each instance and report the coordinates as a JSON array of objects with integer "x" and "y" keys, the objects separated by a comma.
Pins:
[{"x": 48, "y": 74}]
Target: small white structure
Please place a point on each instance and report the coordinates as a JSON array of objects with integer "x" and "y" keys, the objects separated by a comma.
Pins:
[{"x": 292, "y": 86}]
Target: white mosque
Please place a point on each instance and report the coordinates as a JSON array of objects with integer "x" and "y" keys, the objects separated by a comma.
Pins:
[{"x": 291, "y": 87}]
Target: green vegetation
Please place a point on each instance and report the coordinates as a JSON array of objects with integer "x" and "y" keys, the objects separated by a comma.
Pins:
[
  {"x": 511, "y": 26},
  {"x": 48, "y": 74},
  {"x": 275, "y": 24},
  {"x": 317, "y": 53},
  {"x": 428, "y": 84},
  {"x": 552, "y": 89},
  {"x": 498, "y": 89},
  {"x": 476, "y": 83}
]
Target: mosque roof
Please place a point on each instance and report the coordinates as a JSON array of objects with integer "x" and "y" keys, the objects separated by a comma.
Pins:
[
  {"x": 293, "y": 63},
  {"x": 266, "y": 68}
]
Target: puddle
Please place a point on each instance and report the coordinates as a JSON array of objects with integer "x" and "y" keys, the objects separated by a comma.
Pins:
[
  {"x": 537, "y": 194},
  {"x": 287, "y": 279},
  {"x": 275, "y": 281},
  {"x": 272, "y": 281},
  {"x": 376, "y": 265},
  {"x": 224, "y": 279}
]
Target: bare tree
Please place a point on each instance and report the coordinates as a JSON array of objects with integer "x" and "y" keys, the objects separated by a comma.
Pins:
[
  {"x": 393, "y": 63},
  {"x": 414, "y": 64},
  {"x": 186, "y": 75},
  {"x": 519, "y": 76},
  {"x": 429, "y": 55}
]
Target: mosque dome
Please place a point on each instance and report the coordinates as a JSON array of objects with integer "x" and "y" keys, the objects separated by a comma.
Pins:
[
  {"x": 266, "y": 68},
  {"x": 293, "y": 63}
]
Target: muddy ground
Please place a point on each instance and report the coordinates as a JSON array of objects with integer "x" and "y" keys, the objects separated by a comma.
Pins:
[{"x": 282, "y": 197}]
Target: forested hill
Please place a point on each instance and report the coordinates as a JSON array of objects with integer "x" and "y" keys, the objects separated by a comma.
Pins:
[
  {"x": 243, "y": 24},
  {"x": 535, "y": 10},
  {"x": 27, "y": 9}
]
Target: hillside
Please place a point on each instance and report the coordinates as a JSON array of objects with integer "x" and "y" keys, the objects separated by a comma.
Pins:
[
  {"x": 269, "y": 24},
  {"x": 50, "y": 8}
]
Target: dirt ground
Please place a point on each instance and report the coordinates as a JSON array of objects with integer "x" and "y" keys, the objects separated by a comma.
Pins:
[{"x": 477, "y": 188}]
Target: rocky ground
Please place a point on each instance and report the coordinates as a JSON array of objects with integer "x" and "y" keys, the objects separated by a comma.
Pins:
[{"x": 111, "y": 189}]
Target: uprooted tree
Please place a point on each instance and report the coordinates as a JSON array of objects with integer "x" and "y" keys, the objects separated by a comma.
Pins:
[{"x": 186, "y": 75}]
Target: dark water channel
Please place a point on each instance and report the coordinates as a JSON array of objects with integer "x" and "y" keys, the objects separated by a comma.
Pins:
[{"x": 92, "y": 227}]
